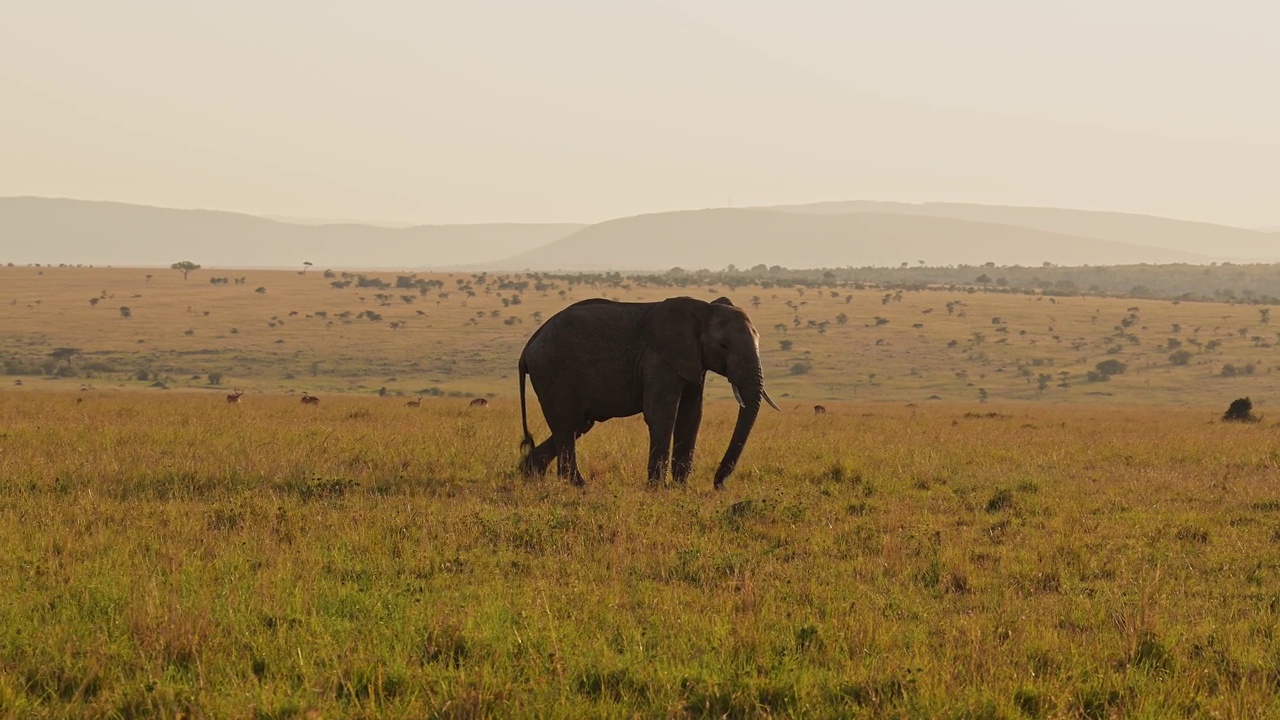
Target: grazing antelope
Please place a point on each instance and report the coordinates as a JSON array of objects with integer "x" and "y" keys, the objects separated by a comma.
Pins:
[
  {"x": 819, "y": 410},
  {"x": 414, "y": 403},
  {"x": 235, "y": 397},
  {"x": 480, "y": 402},
  {"x": 309, "y": 399}
]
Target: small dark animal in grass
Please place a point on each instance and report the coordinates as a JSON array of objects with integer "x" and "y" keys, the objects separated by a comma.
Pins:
[
  {"x": 1241, "y": 410},
  {"x": 599, "y": 359},
  {"x": 414, "y": 403},
  {"x": 480, "y": 402},
  {"x": 235, "y": 397},
  {"x": 819, "y": 410},
  {"x": 309, "y": 399}
]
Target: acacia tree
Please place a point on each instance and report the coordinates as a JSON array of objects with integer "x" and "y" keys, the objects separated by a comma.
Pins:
[
  {"x": 186, "y": 266},
  {"x": 64, "y": 353}
]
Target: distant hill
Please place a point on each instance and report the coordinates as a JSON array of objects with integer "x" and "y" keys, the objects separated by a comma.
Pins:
[
  {"x": 1222, "y": 241},
  {"x": 44, "y": 230},
  {"x": 745, "y": 237},
  {"x": 838, "y": 234}
]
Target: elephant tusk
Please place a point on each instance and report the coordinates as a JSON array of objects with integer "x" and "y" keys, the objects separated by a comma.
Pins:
[
  {"x": 769, "y": 400},
  {"x": 737, "y": 395}
]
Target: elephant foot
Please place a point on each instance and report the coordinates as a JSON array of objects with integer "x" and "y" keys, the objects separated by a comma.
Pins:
[{"x": 532, "y": 471}]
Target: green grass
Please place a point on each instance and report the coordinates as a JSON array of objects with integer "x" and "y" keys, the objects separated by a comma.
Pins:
[{"x": 170, "y": 554}]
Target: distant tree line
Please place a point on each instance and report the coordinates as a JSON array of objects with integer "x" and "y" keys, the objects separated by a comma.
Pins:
[{"x": 1223, "y": 282}]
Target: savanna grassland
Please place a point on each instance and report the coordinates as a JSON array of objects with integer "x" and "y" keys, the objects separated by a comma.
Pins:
[
  {"x": 460, "y": 334},
  {"x": 168, "y": 556},
  {"x": 1068, "y": 548}
]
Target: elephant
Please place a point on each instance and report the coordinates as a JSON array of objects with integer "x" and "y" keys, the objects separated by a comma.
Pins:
[{"x": 600, "y": 359}]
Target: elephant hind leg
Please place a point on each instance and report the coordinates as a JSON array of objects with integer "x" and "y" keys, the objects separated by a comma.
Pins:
[{"x": 536, "y": 460}]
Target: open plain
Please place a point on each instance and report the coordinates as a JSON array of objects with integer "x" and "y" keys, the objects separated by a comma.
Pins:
[{"x": 990, "y": 520}]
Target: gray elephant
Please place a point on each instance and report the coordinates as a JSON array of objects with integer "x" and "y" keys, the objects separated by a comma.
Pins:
[{"x": 598, "y": 359}]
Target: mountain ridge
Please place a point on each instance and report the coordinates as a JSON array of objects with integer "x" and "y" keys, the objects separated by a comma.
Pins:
[
  {"x": 1175, "y": 234},
  {"x": 764, "y": 236},
  {"x": 826, "y": 234},
  {"x": 99, "y": 232}
]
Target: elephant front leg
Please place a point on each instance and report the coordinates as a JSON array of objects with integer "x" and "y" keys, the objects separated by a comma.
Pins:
[
  {"x": 661, "y": 423},
  {"x": 567, "y": 461},
  {"x": 688, "y": 419}
]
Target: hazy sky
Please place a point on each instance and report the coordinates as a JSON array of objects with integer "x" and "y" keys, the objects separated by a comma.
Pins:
[{"x": 583, "y": 110}]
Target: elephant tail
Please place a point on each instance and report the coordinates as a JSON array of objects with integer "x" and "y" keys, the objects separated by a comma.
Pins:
[{"x": 527, "y": 443}]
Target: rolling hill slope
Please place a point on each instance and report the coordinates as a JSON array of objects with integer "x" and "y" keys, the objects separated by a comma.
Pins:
[
  {"x": 857, "y": 233},
  {"x": 745, "y": 237},
  {"x": 43, "y": 230},
  {"x": 1226, "y": 242}
]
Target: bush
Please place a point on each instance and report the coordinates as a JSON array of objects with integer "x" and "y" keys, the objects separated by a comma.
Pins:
[
  {"x": 1230, "y": 370},
  {"x": 1181, "y": 357},
  {"x": 215, "y": 378},
  {"x": 14, "y": 366},
  {"x": 1111, "y": 367},
  {"x": 799, "y": 368},
  {"x": 1241, "y": 410}
]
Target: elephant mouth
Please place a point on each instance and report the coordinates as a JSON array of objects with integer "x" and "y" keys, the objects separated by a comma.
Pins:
[{"x": 764, "y": 393}]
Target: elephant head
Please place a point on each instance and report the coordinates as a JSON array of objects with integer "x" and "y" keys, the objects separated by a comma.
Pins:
[{"x": 693, "y": 336}]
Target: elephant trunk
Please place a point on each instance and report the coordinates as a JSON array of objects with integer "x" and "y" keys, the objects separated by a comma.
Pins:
[{"x": 749, "y": 398}]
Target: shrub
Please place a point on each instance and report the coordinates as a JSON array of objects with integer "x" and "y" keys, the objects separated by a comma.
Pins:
[
  {"x": 1230, "y": 370},
  {"x": 1241, "y": 410},
  {"x": 1181, "y": 357},
  {"x": 1111, "y": 367}
]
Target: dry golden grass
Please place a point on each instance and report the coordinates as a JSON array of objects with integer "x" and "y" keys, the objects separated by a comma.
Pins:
[
  {"x": 1105, "y": 549},
  {"x": 172, "y": 554},
  {"x": 950, "y": 344}
]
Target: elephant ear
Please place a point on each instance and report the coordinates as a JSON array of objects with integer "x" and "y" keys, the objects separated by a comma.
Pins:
[{"x": 673, "y": 330}]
